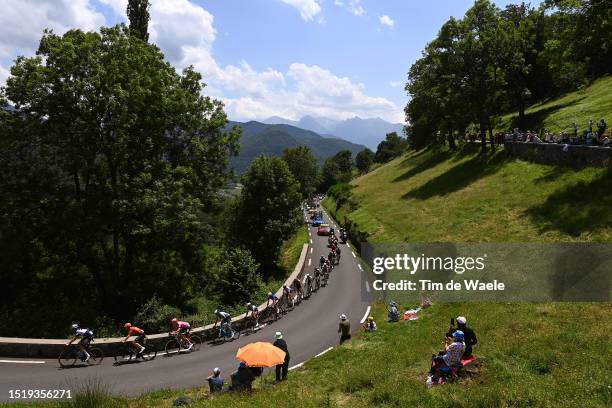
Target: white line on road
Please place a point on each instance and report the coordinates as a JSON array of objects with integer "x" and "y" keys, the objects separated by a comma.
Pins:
[
  {"x": 311, "y": 241},
  {"x": 365, "y": 316},
  {"x": 311, "y": 250},
  {"x": 354, "y": 256},
  {"x": 359, "y": 266},
  {"x": 309, "y": 261},
  {"x": 367, "y": 286},
  {"x": 348, "y": 245},
  {"x": 323, "y": 352},
  {"x": 23, "y": 361},
  {"x": 296, "y": 366}
]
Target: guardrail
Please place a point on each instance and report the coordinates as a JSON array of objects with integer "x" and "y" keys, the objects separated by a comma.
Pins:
[{"x": 51, "y": 348}]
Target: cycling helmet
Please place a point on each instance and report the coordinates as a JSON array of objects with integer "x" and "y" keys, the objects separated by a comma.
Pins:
[
  {"x": 216, "y": 311},
  {"x": 458, "y": 335},
  {"x": 270, "y": 293},
  {"x": 75, "y": 326},
  {"x": 249, "y": 304},
  {"x": 174, "y": 320},
  {"x": 127, "y": 325}
]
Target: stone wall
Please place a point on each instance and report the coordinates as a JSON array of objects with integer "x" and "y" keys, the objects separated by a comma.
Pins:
[{"x": 575, "y": 156}]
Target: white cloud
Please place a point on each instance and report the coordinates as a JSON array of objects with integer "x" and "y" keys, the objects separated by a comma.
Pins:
[
  {"x": 185, "y": 32},
  {"x": 353, "y": 6},
  {"x": 308, "y": 9},
  {"x": 22, "y": 22},
  {"x": 314, "y": 91},
  {"x": 395, "y": 84},
  {"x": 387, "y": 21},
  {"x": 4, "y": 74}
]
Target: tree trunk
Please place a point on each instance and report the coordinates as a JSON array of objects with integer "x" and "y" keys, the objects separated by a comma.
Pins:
[
  {"x": 451, "y": 138},
  {"x": 491, "y": 137},
  {"x": 483, "y": 138}
]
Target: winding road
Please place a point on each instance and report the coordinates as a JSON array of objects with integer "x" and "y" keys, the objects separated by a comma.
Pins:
[{"x": 310, "y": 329}]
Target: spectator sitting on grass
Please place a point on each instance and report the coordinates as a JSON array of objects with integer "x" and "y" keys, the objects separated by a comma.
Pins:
[
  {"x": 242, "y": 379},
  {"x": 370, "y": 325},
  {"x": 605, "y": 142},
  {"x": 215, "y": 381}
]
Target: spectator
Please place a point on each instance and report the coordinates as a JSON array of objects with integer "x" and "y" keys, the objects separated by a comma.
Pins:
[
  {"x": 469, "y": 336},
  {"x": 575, "y": 127},
  {"x": 215, "y": 381},
  {"x": 242, "y": 379},
  {"x": 590, "y": 128},
  {"x": 605, "y": 142},
  {"x": 589, "y": 138},
  {"x": 344, "y": 328},
  {"x": 451, "y": 355},
  {"x": 601, "y": 128},
  {"x": 370, "y": 325},
  {"x": 282, "y": 369}
]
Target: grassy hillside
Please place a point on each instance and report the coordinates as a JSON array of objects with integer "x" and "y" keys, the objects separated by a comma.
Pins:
[
  {"x": 591, "y": 102},
  {"x": 532, "y": 358},
  {"x": 435, "y": 196}
]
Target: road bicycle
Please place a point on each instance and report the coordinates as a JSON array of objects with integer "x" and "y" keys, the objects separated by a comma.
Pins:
[
  {"x": 128, "y": 354},
  {"x": 180, "y": 343},
  {"x": 251, "y": 324},
  {"x": 70, "y": 354},
  {"x": 227, "y": 332}
]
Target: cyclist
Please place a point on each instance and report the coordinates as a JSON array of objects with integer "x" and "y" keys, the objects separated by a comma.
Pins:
[
  {"x": 273, "y": 299},
  {"x": 317, "y": 276},
  {"x": 181, "y": 329},
  {"x": 331, "y": 257},
  {"x": 86, "y": 336},
  {"x": 322, "y": 260},
  {"x": 308, "y": 280},
  {"x": 254, "y": 312},
  {"x": 338, "y": 251},
  {"x": 223, "y": 317},
  {"x": 299, "y": 293},
  {"x": 138, "y": 343}
]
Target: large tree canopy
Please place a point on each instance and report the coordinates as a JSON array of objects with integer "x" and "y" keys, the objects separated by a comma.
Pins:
[{"x": 108, "y": 162}]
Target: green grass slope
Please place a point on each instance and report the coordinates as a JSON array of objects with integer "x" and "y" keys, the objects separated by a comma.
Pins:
[
  {"x": 591, "y": 102},
  {"x": 436, "y": 196}
]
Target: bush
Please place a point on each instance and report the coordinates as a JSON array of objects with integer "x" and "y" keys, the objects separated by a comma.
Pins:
[{"x": 154, "y": 316}]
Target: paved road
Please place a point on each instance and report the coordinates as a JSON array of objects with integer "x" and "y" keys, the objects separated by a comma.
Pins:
[{"x": 309, "y": 329}]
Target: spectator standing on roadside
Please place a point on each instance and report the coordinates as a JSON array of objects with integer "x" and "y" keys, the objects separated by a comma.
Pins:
[
  {"x": 281, "y": 369},
  {"x": 601, "y": 128},
  {"x": 215, "y": 381},
  {"x": 344, "y": 328},
  {"x": 575, "y": 127}
]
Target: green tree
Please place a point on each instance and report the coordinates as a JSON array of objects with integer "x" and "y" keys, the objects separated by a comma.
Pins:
[
  {"x": 304, "y": 167},
  {"x": 109, "y": 165},
  {"x": 267, "y": 211},
  {"x": 138, "y": 14},
  {"x": 364, "y": 160},
  {"x": 393, "y": 146},
  {"x": 238, "y": 278},
  {"x": 337, "y": 168}
]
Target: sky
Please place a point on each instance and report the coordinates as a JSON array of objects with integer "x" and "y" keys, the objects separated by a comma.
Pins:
[{"x": 289, "y": 58}]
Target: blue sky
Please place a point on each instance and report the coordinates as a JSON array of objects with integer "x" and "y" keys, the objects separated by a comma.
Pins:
[{"x": 334, "y": 58}]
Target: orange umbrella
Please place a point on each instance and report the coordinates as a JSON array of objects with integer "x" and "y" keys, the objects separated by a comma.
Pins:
[{"x": 261, "y": 354}]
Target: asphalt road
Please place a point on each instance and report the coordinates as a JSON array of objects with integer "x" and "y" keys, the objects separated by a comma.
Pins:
[{"x": 309, "y": 329}]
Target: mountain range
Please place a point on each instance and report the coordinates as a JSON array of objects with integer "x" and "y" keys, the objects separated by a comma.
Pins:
[
  {"x": 368, "y": 132},
  {"x": 271, "y": 139}
]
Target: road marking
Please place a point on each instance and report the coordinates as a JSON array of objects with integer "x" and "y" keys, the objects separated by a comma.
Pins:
[
  {"x": 311, "y": 240},
  {"x": 359, "y": 265},
  {"x": 23, "y": 361},
  {"x": 348, "y": 245},
  {"x": 324, "y": 351},
  {"x": 309, "y": 261},
  {"x": 296, "y": 366},
  {"x": 365, "y": 316},
  {"x": 367, "y": 286},
  {"x": 354, "y": 256},
  {"x": 311, "y": 250}
]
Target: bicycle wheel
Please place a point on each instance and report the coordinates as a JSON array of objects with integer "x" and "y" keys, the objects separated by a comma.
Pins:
[
  {"x": 124, "y": 357},
  {"x": 236, "y": 335},
  {"x": 172, "y": 347},
  {"x": 95, "y": 356},
  {"x": 149, "y": 352},
  {"x": 197, "y": 342},
  {"x": 67, "y": 357}
]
